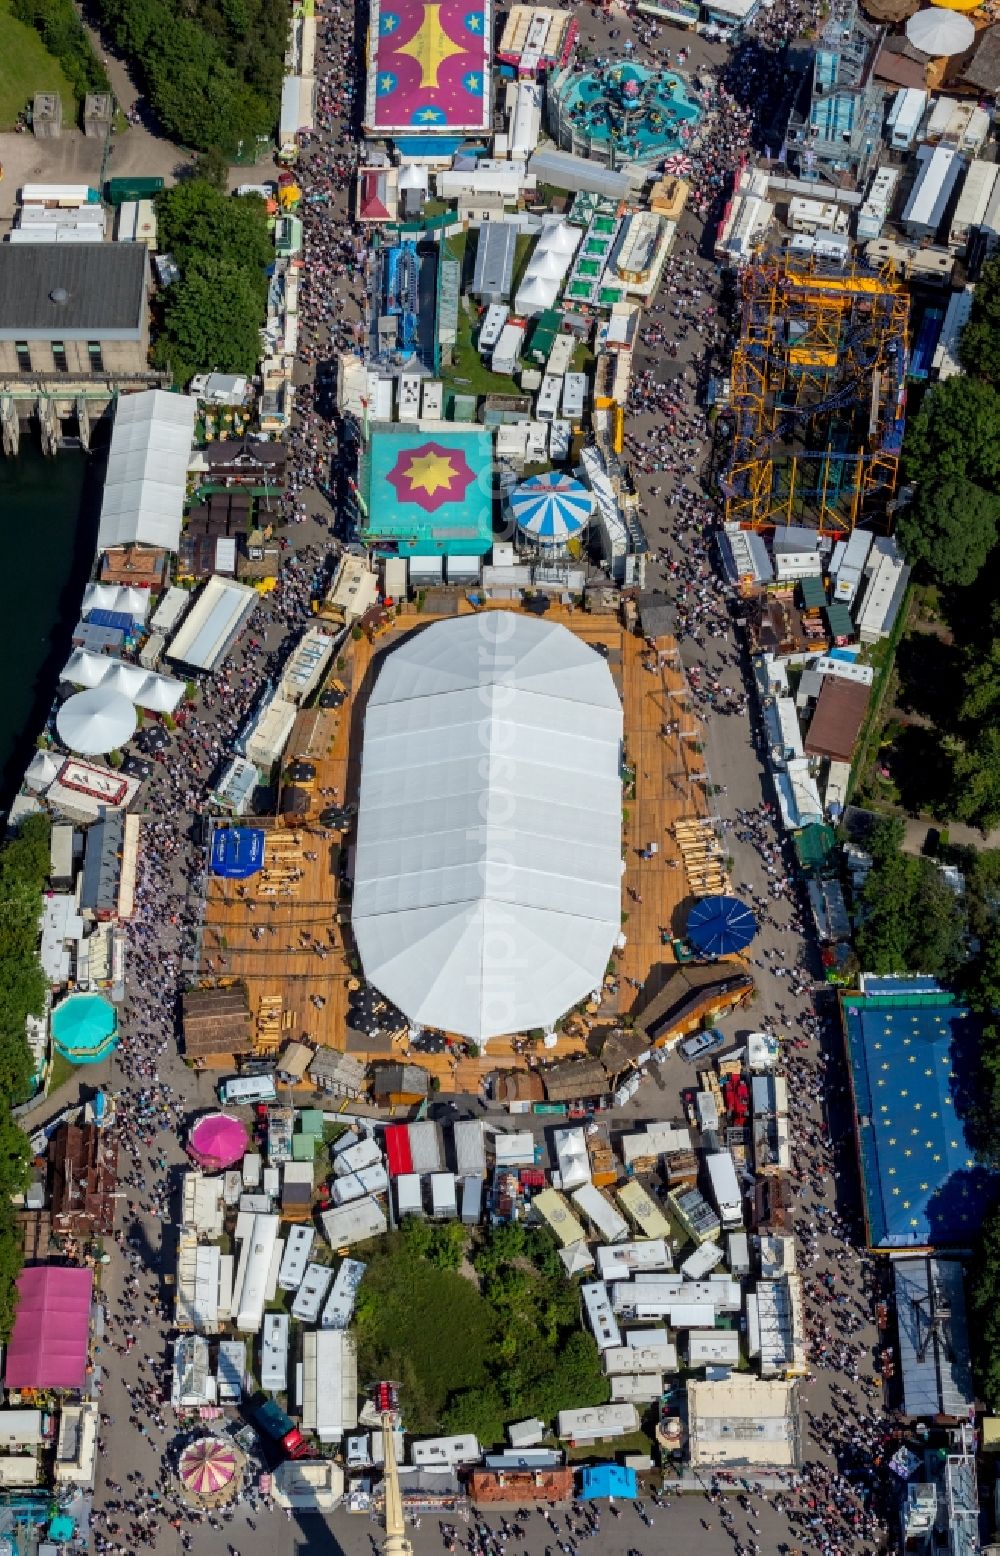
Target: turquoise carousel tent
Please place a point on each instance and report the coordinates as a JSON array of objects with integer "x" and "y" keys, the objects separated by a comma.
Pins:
[{"x": 85, "y": 1028}]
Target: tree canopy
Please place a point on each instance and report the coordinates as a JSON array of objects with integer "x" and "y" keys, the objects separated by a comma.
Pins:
[
  {"x": 212, "y": 69},
  {"x": 472, "y": 1357},
  {"x": 211, "y": 317},
  {"x": 951, "y": 528},
  {"x": 984, "y": 1312},
  {"x": 955, "y": 433},
  {"x": 980, "y": 345},
  {"x": 24, "y": 868},
  {"x": 910, "y": 919}
]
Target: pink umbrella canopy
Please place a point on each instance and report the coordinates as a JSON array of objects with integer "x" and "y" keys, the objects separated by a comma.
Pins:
[
  {"x": 677, "y": 164},
  {"x": 207, "y": 1467},
  {"x": 217, "y": 1140}
]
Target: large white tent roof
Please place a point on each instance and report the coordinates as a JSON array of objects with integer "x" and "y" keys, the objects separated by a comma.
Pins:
[
  {"x": 147, "y": 470},
  {"x": 96, "y": 721},
  {"x": 487, "y": 888}
]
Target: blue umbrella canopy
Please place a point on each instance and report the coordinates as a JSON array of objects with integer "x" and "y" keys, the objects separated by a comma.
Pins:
[
  {"x": 718, "y": 926},
  {"x": 552, "y": 508}
]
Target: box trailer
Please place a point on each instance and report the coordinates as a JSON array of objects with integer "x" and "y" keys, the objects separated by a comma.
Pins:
[
  {"x": 492, "y": 326},
  {"x": 973, "y": 202},
  {"x": 296, "y": 1257},
  {"x": 600, "y": 1315},
  {"x": 310, "y": 1295},
  {"x": 574, "y": 396},
  {"x": 549, "y": 395},
  {"x": 725, "y": 1189},
  {"x": 470, "y": 1149},
  {"x": 274, "y": 1353},
  {"x": 472, "y": 1201},
  {"x": 339, "y": 1307},
  {"x": 507, "y": 351}
]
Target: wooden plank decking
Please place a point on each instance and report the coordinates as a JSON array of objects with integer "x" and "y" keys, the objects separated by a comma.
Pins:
[{"x": 283, "y": 932}]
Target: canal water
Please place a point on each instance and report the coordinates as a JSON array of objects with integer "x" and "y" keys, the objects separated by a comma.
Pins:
[{"x": 48, "y": 531}]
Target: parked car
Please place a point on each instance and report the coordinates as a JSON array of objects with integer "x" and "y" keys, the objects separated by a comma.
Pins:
[{"x": 701, "y": 1044}]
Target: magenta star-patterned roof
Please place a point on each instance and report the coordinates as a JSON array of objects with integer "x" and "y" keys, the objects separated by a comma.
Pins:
[{"x": 429, "y": 66}]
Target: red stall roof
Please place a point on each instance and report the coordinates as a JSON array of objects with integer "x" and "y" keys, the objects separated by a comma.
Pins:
[
  {"x": 48, "y": 1346},
  {"x": 397, "y": 1150}
]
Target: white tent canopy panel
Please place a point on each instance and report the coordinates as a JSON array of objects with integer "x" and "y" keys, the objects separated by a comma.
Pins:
[{"x": 487, "y": 890}]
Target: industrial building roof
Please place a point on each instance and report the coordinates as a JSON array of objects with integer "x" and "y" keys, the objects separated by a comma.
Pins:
[
  {"x": 933, "y": 1337},
  {"x": 146, "y": 479},
  {"x": 66, "y": 290},
  {"x": 449, "y": 902}
]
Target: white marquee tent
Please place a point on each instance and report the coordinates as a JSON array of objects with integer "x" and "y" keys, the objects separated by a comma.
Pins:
[
  {"x": 147, "y": 470},
  {"x": 144, "y": 688},
  {"x": 96, "y": 721},
  {"x": 487, "y": 888}
]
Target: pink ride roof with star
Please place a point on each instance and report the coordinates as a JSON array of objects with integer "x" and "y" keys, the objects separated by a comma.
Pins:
[{"x": 428, "y": 66}]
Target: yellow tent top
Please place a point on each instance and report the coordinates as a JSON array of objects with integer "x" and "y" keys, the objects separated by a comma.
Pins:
[
  {"x": 991, "y": 1434},
  {"x": 958, "y": 5}
]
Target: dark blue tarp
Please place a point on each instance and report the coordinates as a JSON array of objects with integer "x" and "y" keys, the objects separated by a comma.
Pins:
[
  {"x": 237, "y": 852},
  {"x": 718, "y": 926},
  {"x": 121, "y": 620}
]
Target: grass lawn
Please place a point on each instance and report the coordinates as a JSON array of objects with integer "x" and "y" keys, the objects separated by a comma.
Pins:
[
  {"x": 467, "y": 373},
  {"x": 26, "y": 67},
  {"x": 62, "y": 1070}
]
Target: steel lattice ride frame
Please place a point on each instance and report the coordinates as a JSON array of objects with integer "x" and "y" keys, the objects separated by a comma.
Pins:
[{"x": 817, "y": 395}]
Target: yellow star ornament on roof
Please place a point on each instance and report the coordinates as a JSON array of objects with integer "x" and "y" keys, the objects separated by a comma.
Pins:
[{"x": 430, "y": 473}]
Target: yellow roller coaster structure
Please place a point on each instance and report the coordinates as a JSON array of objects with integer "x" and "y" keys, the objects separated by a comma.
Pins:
[{"x": 817, "y": 395}]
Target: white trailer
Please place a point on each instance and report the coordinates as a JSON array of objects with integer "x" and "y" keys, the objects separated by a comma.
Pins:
[
  {"x": 470, "y": 1148},
  {"x": 561, "y": 355},
  {"x": 600, "y": 1315},
  {"x": 409, "y": 1199},
  {"x": 574, "y": 396},
  {"x": 256, "y": 1255},
  {"x": 309, "y": 1297},
  {"x": 491, "y": 329},
  {"x": 549, "y": 395},
  {"x": 444, "y": 1198},
  {"x": 296, "y": 1257},
  {"x": 973, "y": 202},
  {"x": 725, "y": 1189},
  {"x": 339, "y": 1307},
  {"x": 702, "y": 1262},
  {"x": 507, "y": 351},
  {"x": 274, "y": 1353}
]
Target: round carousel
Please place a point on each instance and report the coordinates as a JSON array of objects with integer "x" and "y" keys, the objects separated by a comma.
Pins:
[
  {"x": 624, "y": 111},
  {"x": 210, "y": 1471}
]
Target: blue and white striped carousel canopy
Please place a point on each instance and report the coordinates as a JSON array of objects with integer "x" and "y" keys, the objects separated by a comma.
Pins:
[{"x": 551, "y": 507}]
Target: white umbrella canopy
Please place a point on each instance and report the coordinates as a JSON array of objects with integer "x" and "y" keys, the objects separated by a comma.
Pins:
[
  {"x": 95, "y": 722},
  {"x": 939, "y": 33}
]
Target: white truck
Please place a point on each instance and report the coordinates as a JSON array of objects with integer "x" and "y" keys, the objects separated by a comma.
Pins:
[{"x": 725, "y": 1189}]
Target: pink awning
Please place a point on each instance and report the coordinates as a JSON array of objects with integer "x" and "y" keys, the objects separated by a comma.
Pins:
[{"x": 48, "y": 1346}]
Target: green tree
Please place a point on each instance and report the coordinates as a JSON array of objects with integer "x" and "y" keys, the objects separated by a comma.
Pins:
[
  {"x": 950, "y": 528},
  {"x": 196, "y": 220},
  {"x": 211, "y": 321},
  {"x": 911, "y": 920},
  {"x": 984, "y": 1306},
  {"x": 980, "y": 345},
  {"x": 956, "y": 433},
  {"x": 976, "y": 778},
  {"x": 480, "y": 1411},
  {"x": 212, "y": 167}
]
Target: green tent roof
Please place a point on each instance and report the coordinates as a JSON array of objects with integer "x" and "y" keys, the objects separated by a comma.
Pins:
[{"x": 813, "y": 593}]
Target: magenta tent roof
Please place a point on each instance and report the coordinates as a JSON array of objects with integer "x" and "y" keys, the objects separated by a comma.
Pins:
[
  {"x": 218, "y": 1140},
  {"x": 48, "y": 1346}
]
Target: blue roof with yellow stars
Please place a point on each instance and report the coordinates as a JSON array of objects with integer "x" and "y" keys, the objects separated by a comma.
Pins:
[{"x": 911, "y": 1049}]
